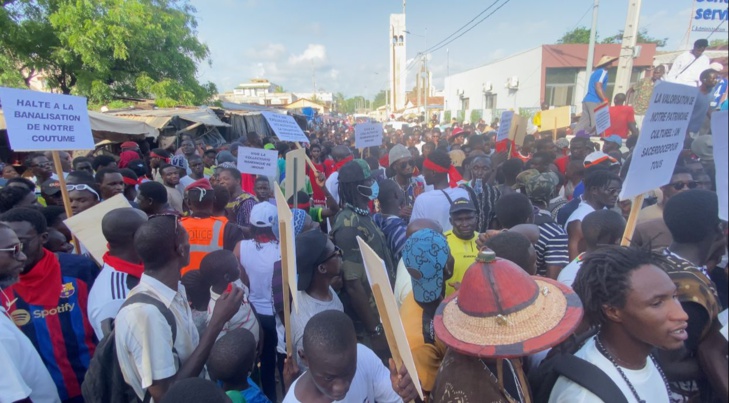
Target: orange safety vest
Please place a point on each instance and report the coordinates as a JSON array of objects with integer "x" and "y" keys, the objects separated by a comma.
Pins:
[{"x": 206, "y": 235}]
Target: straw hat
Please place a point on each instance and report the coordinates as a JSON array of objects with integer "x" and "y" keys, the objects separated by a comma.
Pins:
[
  {"x": 605, "y": 60},
  {"x": 502, "y": 312}
]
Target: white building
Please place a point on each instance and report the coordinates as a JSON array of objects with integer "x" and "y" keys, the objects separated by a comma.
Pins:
[
  {"x": 258, "y": 91},
  {"x": 321, "y": 97},
  {"x": 554, "y": 74}
]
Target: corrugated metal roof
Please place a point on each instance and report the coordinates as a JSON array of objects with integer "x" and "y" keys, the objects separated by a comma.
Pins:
[{"x": 160, "y": 118}]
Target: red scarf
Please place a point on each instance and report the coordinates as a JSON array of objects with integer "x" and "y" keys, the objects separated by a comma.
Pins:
[
  {"x": 119, "y": 264},
  {"x": 453, "y": 175},
  {"x": 342, "y": 162},
  {"x": 42, "y": 284}
]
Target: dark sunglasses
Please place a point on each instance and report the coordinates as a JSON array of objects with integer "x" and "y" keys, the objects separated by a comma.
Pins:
[
  {"x": 176, "y": 217},
  {"x": 16, "y": 250},
  {"x": 337, "y": 252},
  {"x": 405, "y": 164},
  {"x": 681, "y": 185}
]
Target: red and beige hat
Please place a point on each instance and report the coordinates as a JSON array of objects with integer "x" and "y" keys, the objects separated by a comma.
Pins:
[{"x": 500, "y": 311}]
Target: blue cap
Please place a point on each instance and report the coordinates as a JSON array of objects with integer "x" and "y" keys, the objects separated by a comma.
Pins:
[
  {"x": 426, "y": 252},
  {"x": 614, "y": 138}
]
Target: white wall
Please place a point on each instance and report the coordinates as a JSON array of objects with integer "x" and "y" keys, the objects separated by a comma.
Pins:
[{"x": 527, "y": 66}]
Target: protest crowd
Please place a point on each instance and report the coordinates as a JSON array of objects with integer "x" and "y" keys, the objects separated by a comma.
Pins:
[{"x": 504, "y": 259}]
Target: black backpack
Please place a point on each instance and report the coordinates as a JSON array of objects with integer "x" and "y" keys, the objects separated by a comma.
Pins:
[
  {"x": 562, "y": 362},
  {"x": 104, "y": 381}
]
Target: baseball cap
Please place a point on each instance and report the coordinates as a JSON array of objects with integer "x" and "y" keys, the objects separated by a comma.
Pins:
[
  {"x": 263, "y": 215},
  {"x": 310, "y": 246},
  {"x": 50, "y": 187},
  {"x": 541, "y": 187},
  {"x": 462, "y": 204},
  {"x": 524, "y": 177},
  {"x": 354, "y": 171},
  {"x": 598, "y": 157},
  {"x": 426, "y": 252},
  {"x": 613, "y": 138},
  {"x": 397, "y": 153},
  {"x": 203, "y": 184}
]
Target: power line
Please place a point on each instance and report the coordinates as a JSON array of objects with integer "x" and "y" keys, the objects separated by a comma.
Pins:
[
  {"x": 463, "y": 26},
  {"x": 472, "y": 27}
]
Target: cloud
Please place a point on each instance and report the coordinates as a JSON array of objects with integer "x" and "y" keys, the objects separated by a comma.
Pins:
[
  {"x": 333, "y": 74},
  {"x": 270, "y": 51},
  {"x": 314, "y": 53}
]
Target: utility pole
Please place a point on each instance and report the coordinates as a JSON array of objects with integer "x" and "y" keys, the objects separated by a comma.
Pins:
[
  {"x": 591, "y": 46},
  {"x": 627, "y": 49}
]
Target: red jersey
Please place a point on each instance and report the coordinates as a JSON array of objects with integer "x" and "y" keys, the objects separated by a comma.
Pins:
[{"x": 620, "y": 116}]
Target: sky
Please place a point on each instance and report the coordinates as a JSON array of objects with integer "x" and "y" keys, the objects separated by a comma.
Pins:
[{"x": 342, "y": 45}]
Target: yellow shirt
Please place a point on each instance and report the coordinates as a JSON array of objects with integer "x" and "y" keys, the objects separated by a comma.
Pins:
[
  {"x": 464, "y": 252},
  {"x": 428, "y": 352}
]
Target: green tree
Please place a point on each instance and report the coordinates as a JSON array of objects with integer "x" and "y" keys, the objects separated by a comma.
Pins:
[
  {"x": 380, "y": 99},
  {"x": 279, "y": 89},
  {"x": 104, "y": 49},
  {"x": 339, "y": 102},
  {"x": 447, "y": 117},
  {"x": 715, "y": 43},
  {"x": 577, "y": 35},
  {"x": 643, "y": 37},
  {"x": 475, "y": 116}
]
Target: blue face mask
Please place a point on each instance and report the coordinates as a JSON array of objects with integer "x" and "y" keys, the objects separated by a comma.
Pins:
[{"x": 374, "y": 190}]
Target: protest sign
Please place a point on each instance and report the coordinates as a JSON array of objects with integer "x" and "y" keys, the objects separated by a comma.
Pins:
[
  {"x": 389, "y": 314},
  {"x": 368, "y": 135},
  {"x": 257, "y": 161},
  {"x": 44, "y": 121},
  {"x": 556, "y": 118},
  {"x": 285, "y": 127},
  {"x": 507, "y": 117},
  {"x": 518, "y": 129},
  {"x": 720, "y": 135},
  {"x": 602, "y": 118},
  {"x": 295, "y": 172},
  {"x": 288, "y": 261},
  {"x": 86, "y": 226},
  {"x": 660, "y": 143},
  {"x": 661, "y": 140}
]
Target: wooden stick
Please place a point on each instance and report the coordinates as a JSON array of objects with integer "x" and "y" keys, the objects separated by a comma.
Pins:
[
  {"x": 64, "y": 192},
  {"x": 554, "y": 131},
  {"x": 285, "y": 267},
  {"x": 632, "y": 220},
  {"x": 308, "y": 160}
]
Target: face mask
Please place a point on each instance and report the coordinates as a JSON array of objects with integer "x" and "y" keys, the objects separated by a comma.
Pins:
[{"x": 374, "y": 190}]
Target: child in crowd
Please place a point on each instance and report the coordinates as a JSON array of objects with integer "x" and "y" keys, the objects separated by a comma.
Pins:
[
  {"x": 230, "y": 364},
  {"x": 220, "y": 269}
]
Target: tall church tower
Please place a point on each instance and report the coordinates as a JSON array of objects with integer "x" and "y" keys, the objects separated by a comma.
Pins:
[{"x": 398, "y": 61}]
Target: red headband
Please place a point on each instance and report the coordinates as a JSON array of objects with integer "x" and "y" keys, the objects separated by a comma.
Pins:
[
  {"x": 130, "y": 181},
  {"x": 155, "y": 155},
  {"x": 453, "y": 175}
]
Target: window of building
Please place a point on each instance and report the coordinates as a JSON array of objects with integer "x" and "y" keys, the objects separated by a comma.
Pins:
[
  {"x": 489, "y": 101},
  {"x": 560, "y": 86},
  {"x": 465, "y": 104},
  {"x": 612, "y": 75}
]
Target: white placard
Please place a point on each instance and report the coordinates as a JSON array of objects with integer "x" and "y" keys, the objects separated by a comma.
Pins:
[
  {"x": 661, "y": 138},
  {"x": 507, "y": 118},
  {"x": 367, "y": 135},
  {"x": 720, "y": 136},
  {"x": 602, "y": 118},
  {"x": 285, "y": 127},
  {"x": 44, "y": 121},
  {"x": 257, "y": 161}
]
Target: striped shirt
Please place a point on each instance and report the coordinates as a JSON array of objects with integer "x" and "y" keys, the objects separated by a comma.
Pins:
[
  {"x": 551, "y": 246},
  {"x": 107, "y": 296},
  {"x": 393, "y": 227}
]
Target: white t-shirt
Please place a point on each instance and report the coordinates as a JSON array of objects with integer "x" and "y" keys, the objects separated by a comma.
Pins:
[
  {"x": 582, "y": 210},
  {"x": 435, "y": 206},
  {"x": 569, "y": 273},
  {"x": 332, "y": 185},
  {"x": 647, "y": 381},
  {"x": 23, "y": 372},
  {"x": 244, "y": 318},
  {"x": 308, "y": 307},
  {"x": 371, "y": 382},
  {"x": 144, "y": 339},
  {"x": 687, "y": 69},
  {"x": 106, "y": 297},
  {"x": 257, "y": 260}
]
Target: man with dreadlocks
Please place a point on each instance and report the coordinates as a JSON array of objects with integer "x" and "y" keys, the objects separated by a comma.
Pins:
[{"x": 356, "y": 189}]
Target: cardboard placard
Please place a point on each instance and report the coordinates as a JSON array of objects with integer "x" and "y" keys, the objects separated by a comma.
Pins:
[
  {"x": 257, "y": 161},
  {"x": 661, "y": 139},
  {"x": 507, "y": 117},
  {"x": 285, "y": 127},
  {"x": 40, "y": 121},
  {"x": 86, "y": 226},
  {"x": 288, "y": 262},
  {"x": 368, "y": 135},
  {"x": 389, "y": 313},
  {"x": 602, "y": 118},
  {"x": 295, "y": 158},
  {"x": 720, "y": 135},
  {"x": 519, "y": 129},
  {"x": 556, "y": 118}
]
